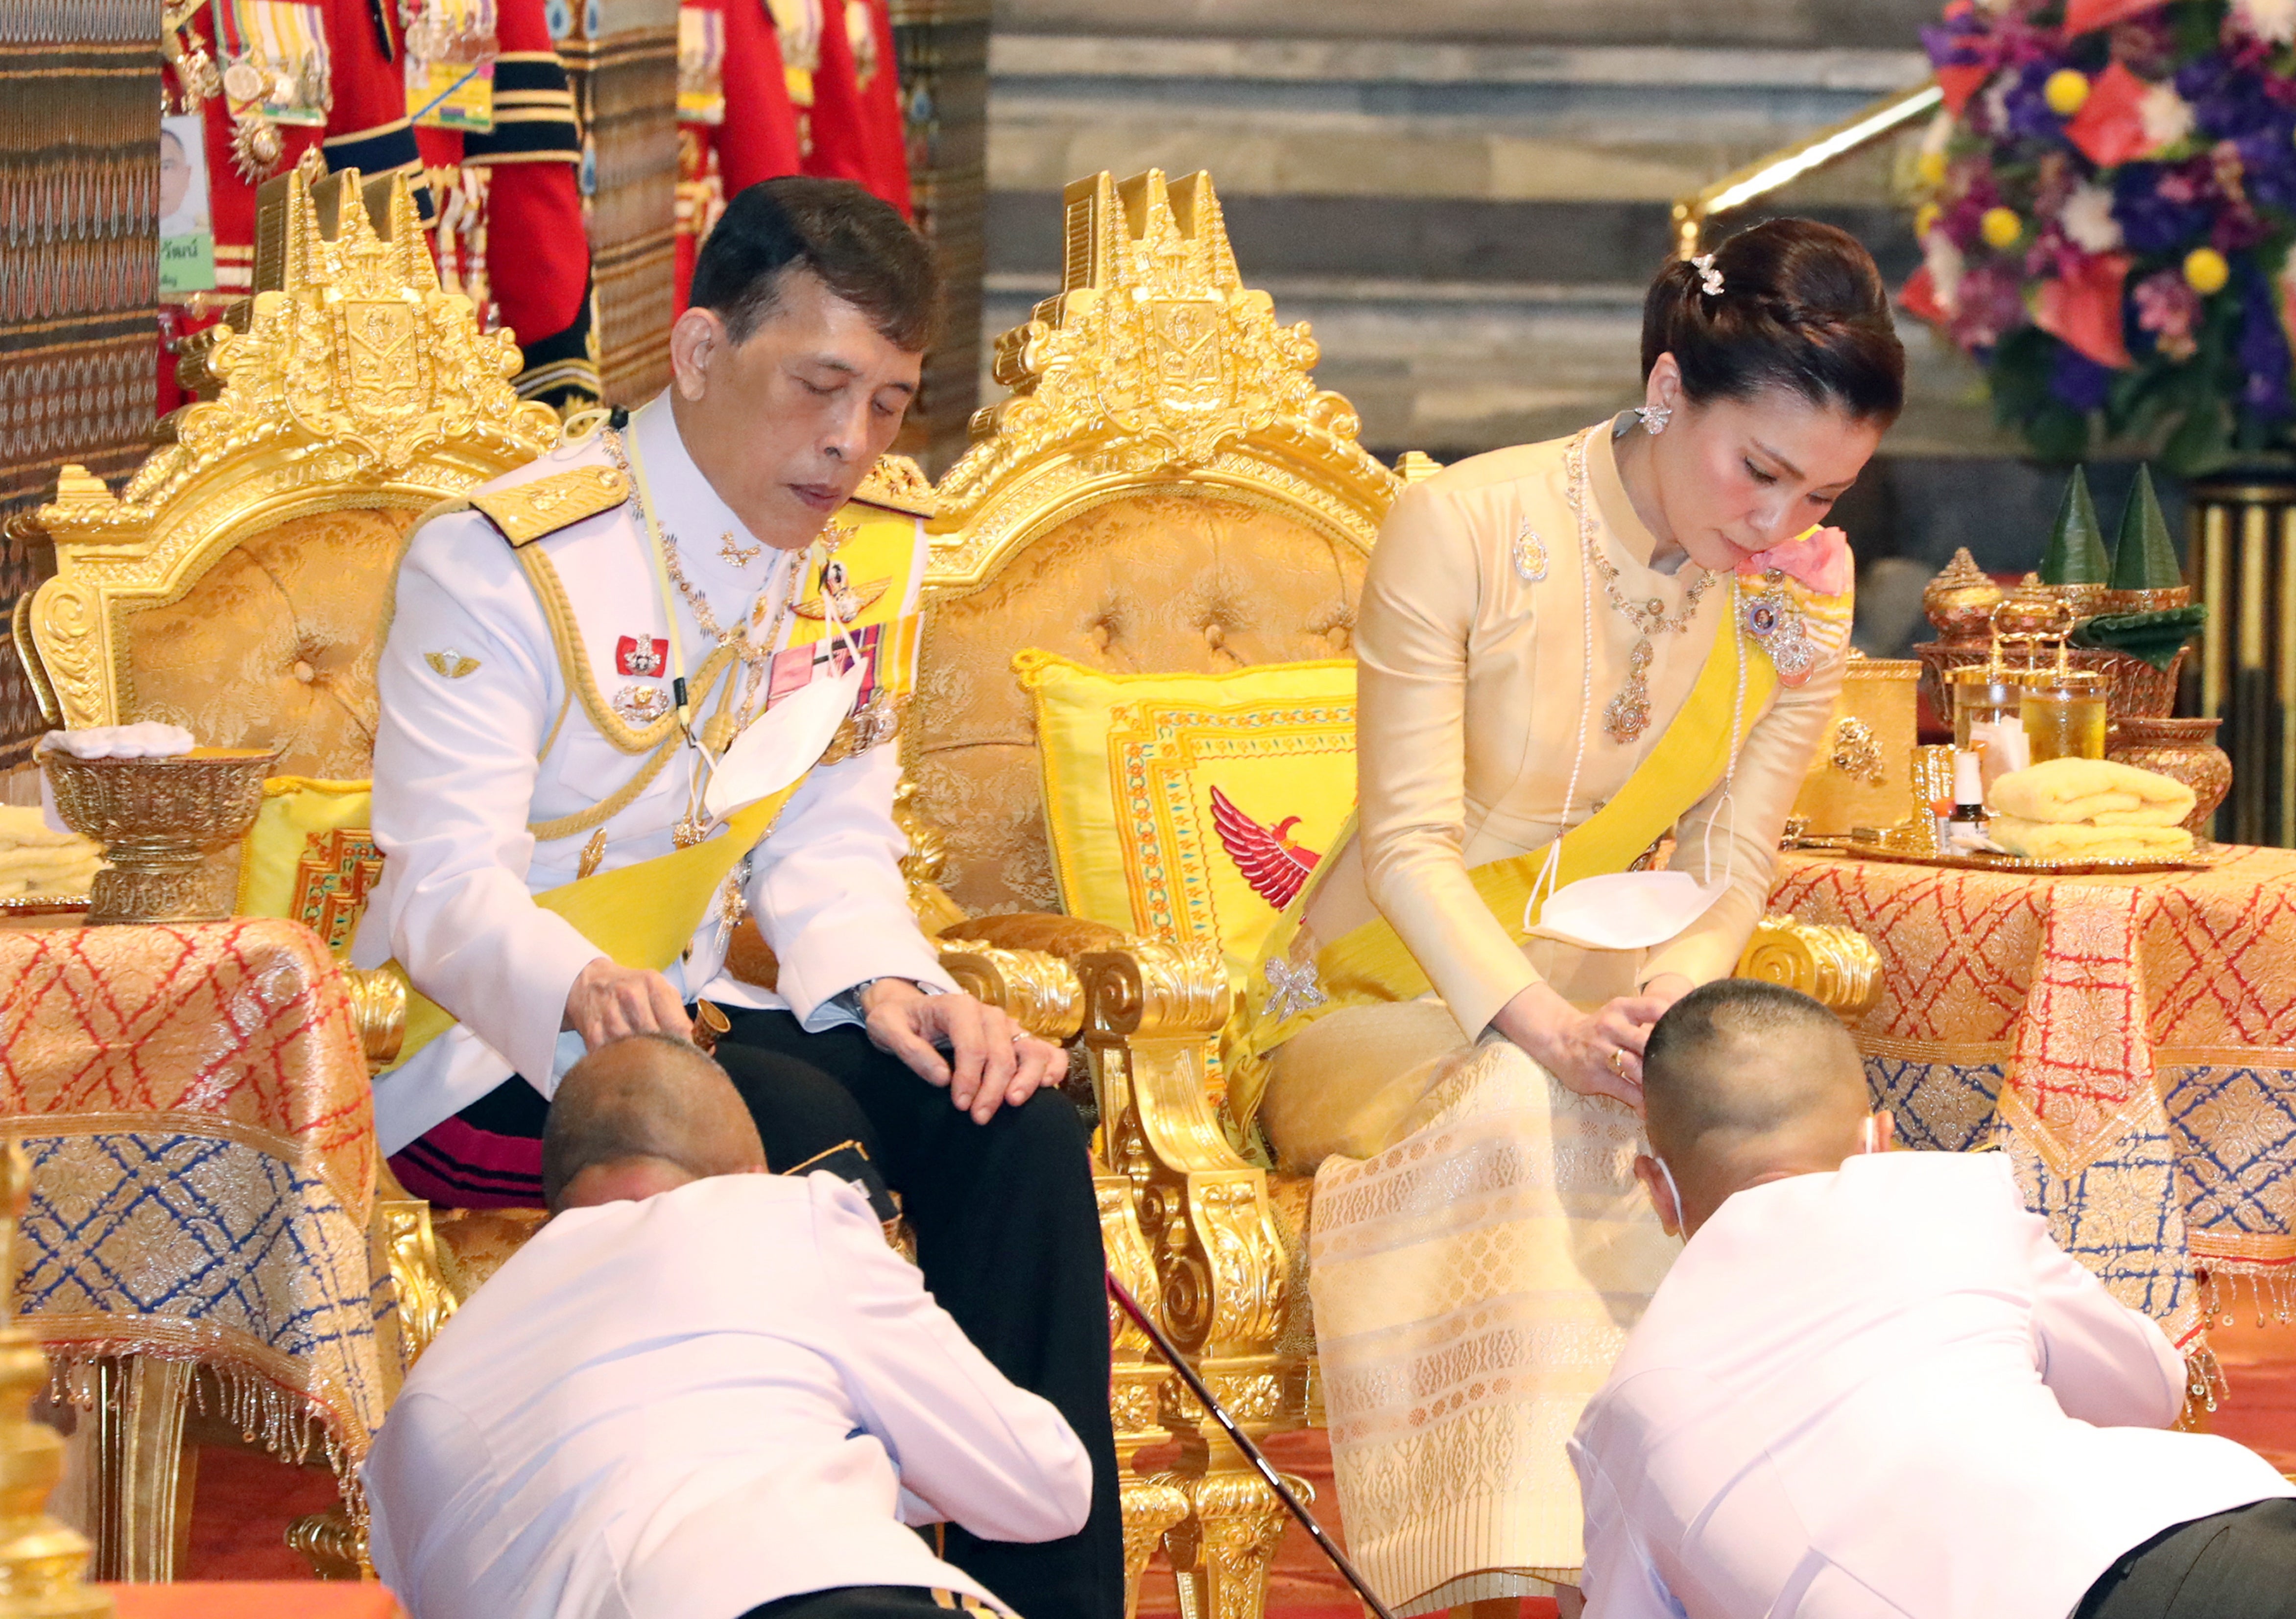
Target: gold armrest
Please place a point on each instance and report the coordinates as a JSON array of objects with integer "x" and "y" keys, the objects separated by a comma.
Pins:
[
  {"x": 1834, "y": 963},
  {"x": 1039, "y": 991},
  {"x": 1069, "y": 938},
  {"x": 1152, "y": 1016},
  {"x": 410, "y": 1245},
  {"x": 379, "y": 1006}
]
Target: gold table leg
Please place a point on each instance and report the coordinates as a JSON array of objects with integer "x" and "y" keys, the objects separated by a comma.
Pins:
[{"x": 140, "y": 1494}]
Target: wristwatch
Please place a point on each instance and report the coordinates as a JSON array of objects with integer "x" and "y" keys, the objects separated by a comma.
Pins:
[{"x": 849, "y": 1000}]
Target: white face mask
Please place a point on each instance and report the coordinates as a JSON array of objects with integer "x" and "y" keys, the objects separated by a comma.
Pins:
[
  {"x": 1636, "y": 910},
  {"x": 781, "y": 744}
]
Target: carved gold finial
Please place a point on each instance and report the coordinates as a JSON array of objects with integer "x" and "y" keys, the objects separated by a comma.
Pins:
[
  {"x": 1155, "y": 355},
  {"x": 41, "y": 1561},
  {"x": 350, "y": 378}
]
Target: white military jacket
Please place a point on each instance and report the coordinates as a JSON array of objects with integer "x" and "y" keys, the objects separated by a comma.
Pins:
[
  {"x": 711, "y": 1399},
  {"x": 470, "y": 689}
]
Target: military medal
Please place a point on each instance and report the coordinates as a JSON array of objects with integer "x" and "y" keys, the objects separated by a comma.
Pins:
[
  {"x": 644, "y": 655},
  {"x": 1775, "y": 619},
  {"x": 640, "y": 705}
]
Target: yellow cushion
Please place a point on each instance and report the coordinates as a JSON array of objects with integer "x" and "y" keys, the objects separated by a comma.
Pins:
[
  {"x": 311, "y": 856},
  {"x": 1188, "y": 807}
]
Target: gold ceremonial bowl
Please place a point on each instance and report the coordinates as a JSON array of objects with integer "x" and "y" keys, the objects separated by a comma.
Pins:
[{"x": 158, "y": 820}]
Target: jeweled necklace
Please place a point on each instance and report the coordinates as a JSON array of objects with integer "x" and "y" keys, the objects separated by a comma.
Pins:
[
  {"x": 754, "y": 651},
  {"x": 1628, "y": 714}
]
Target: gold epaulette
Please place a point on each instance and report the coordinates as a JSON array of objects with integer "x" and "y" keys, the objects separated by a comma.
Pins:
[
  {"x": 898, "y": 483},
  {"x": 525, "y": 512}
]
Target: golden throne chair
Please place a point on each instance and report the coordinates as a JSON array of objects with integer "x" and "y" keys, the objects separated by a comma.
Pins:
[
  {"x": 239, "y": 586},
  {"x": 1165, "y": 490}
]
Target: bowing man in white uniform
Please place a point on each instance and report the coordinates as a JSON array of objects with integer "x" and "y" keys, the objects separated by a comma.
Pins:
[
  {"x": 702, "y": 1391},
  {"x": 651, "y": 680},
  {"x": 1872, "y": 1385}
]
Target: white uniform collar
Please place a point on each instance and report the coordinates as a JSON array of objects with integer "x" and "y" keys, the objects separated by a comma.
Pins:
[{"x": 689, "y": 510}]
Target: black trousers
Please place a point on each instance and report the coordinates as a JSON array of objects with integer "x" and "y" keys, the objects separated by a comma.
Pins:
[
  {"x": 870, "y": 1602},
  {"x": 2237, "y": 1565},
  {"x": 1008, "y": 1237}
]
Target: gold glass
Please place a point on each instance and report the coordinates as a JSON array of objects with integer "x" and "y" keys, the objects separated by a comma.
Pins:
[
  {"x": 2064, "y": 715},
  {"x": 1981, "y": 696}
]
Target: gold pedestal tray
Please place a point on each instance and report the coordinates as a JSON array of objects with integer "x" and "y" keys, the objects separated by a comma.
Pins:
[
  {"x": 157, "y": 820},
  {"x": 1880, "y": 846}
]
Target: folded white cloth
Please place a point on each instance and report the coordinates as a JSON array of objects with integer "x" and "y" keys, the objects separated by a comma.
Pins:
[{"x": 148, "y": 740}]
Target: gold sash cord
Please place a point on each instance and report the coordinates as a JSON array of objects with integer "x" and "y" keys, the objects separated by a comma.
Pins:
[
  {"x": 643, "y": 915},
  {"x": 1372, "y": 964}
]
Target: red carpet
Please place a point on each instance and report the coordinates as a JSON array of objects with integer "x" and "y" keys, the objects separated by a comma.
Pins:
[{"x": 245, "y": 1501}]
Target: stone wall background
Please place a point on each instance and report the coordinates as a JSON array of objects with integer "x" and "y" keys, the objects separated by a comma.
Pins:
[{"x": 1467, "y": 197}]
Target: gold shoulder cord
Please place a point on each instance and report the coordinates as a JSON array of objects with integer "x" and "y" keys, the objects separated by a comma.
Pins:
[{"x": 660, "y": 740}]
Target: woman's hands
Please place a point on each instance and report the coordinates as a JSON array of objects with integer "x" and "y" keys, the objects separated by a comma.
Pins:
[{"x": 1597, "y": 1053}]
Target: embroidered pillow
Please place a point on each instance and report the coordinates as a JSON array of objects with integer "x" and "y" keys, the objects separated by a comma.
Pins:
[
  {"x": 311, "y": 856},
  {"x": 1193, "y": 806}
]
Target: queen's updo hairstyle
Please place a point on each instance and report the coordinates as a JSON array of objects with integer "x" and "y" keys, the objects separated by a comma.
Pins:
[{"x": 1802, "y": 308}]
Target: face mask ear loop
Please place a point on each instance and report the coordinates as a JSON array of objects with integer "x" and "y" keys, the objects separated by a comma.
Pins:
[
  {"x": 1672, "y": 1191},
  {"x": 1550, "y": 870}
]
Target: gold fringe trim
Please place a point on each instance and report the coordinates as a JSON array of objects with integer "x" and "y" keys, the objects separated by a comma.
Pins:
[{"x": 281, "y": 1420}]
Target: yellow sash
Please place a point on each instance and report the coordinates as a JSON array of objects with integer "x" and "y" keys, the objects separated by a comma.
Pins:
[
  {"x": 1372, "y": 964},
  {"x": 640, "y": 915},
  {"x": 643, "y": 915}
]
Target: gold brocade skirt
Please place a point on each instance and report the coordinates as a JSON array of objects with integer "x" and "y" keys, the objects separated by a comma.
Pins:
[{"x": 1478, "y": 1251}]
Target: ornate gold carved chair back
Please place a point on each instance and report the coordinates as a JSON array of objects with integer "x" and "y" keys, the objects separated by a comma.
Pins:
[
  {"x": 1166, "y": 490},
  {"x": 239, "y": 584}
]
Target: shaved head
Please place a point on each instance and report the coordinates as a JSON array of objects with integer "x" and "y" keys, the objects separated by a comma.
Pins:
[
  {"x": 1745, "y": 1080},
  {"x": 640, "y": 1115}
]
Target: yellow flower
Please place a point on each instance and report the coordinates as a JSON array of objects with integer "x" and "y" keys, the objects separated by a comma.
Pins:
[
  {"x": 2001, "y": 228},
  {"x": 2066, "y": 90},
  {"x": 1929, "y": 168},
  {"x": 2206, "y": 270},
  {"x": 1925, "y": 219}
]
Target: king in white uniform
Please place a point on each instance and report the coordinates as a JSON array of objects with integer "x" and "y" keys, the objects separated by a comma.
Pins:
[{"x": 693, "y": 598}]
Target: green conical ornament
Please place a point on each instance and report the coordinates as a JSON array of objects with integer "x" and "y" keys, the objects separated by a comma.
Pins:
[
  {"x": 2075, "y": 553},
  {"x": 2146, "y": 557}
]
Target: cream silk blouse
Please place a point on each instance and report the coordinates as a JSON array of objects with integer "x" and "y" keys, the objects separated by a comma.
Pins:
[{"x": 1472, "y": 681}]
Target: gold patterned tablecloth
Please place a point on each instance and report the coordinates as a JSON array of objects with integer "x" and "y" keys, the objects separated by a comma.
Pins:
[
  {"x": 195, "y": 1101},
  {"x": 2129, "y": 1040}
]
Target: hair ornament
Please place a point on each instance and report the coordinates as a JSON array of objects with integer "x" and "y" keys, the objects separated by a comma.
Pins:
[{"x": 1709, "y": 278}]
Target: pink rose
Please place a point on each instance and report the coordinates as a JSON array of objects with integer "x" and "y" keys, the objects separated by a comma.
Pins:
[{"x": 1819, "y": 559}]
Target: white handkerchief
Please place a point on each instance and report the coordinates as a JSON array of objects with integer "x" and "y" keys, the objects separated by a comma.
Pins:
[
  {"x": 1626, "y": 909},
  {"x": 148, "y": 740},
  {"x": 781, "y": 744}
]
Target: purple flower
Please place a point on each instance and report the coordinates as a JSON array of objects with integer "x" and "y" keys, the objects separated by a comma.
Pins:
[
  {"x": 2168, "y": 308},
  {"x": 2151, "y": 221},
  {"x": 2262, "y": 350},
  {"x": 1958, "y": 42},
  {"x": 2028, "y": 108},
  {"x": 2078, "y": 380},
  {"x": 2267, "y": 162},
  {"x": 2226, "y": 101},
  {"x": 1991, "y": 305}
]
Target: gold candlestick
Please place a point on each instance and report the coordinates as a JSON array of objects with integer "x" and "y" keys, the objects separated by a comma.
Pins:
[{"x": 41, "y": 1561}]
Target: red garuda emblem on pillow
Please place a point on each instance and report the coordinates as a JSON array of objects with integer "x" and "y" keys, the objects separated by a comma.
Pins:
[{"x": 1274, "y": 866}]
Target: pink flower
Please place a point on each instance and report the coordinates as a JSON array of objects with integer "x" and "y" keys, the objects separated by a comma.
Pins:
[
  {"x": 2168, "y": 308},
  {"x": 1819, "y": 559}
]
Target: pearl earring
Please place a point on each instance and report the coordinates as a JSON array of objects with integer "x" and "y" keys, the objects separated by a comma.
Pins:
[{"x": 1653, "y": 418}]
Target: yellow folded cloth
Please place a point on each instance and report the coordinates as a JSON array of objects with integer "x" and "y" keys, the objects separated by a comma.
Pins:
[
  {"x": 23, "y": 827},
  {"x": 2093, "y": 792},
  {"x": 35, "y": 860},
  {"x": 2050, "y": 840}
]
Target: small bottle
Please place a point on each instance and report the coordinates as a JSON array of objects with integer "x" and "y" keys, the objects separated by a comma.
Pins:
[{"x": 1965, "y": 827}]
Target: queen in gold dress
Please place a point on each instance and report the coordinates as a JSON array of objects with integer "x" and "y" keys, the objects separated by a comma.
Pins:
[{"x": 1567, "y": 650}]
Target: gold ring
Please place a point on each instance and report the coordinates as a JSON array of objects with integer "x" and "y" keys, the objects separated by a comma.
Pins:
[{"x": 1618, "y": 1061}]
